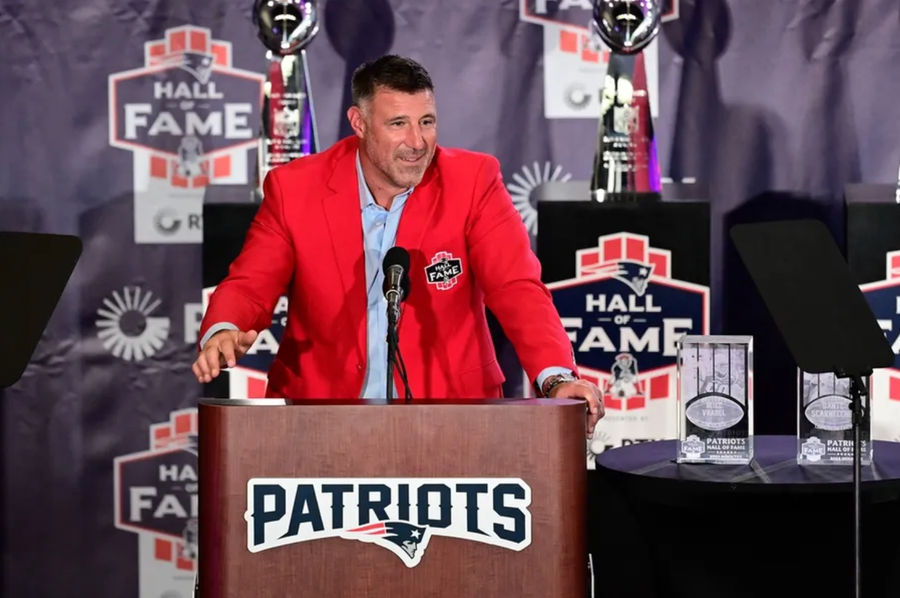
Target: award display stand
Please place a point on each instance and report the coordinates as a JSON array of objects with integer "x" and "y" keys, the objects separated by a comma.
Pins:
[
  {"x": 34, "y": 268},
  {"x": 428, "y": 498},
  {"x": 821, "y": 313}
]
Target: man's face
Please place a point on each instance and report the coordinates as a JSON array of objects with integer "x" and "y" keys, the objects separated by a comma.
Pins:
[{"x": 398, "y": 133}]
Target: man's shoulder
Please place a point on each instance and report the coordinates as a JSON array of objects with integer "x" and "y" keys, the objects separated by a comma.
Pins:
[
  {"x": 457, "y": 162},
  {"x": 455, "y": 156},
  {"x": 319, "y": 163}
]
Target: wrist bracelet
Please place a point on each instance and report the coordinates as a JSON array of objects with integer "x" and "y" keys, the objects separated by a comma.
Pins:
[{"x": 555, "y": 381}]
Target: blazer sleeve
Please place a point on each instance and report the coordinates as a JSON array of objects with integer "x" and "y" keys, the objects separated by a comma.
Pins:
[
  {"x": 261, "y": 272},
  {"x": 509, "y": 274}
]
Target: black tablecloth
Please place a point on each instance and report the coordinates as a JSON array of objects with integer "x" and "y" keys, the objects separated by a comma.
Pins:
[{"x": 771, "y": 528}]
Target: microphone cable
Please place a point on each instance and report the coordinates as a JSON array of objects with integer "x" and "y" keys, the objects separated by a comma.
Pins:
[{"x": 401, "y": 365}]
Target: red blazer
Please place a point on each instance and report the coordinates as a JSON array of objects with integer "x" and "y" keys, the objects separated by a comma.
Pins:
[{"x": 307, "y": 239}]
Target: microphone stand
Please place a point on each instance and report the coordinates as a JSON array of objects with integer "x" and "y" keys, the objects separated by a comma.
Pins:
[
  {"x": 392, "y": 315},
  {"x": 858, "y": 392}
]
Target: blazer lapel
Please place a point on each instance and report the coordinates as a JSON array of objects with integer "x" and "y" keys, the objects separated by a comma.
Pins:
[
  {"x": 419, "y": 210},
  {"x": 342, "y": 213}
]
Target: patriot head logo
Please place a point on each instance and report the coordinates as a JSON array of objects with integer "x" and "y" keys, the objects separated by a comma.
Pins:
[
  {"x": 405, "y": 536},
  {"x": 633, "y": 273},
  {"x": 400, "y": 515},
  {"x": 198, "y": 64}
]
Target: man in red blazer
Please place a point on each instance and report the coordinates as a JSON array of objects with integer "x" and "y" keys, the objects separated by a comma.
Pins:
[{"x": 320, "y": 235}]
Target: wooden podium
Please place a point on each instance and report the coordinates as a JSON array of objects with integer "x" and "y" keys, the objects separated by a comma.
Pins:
[{"x": 435, "y": 444}]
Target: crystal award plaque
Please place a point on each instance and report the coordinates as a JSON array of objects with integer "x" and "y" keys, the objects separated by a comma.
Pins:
[
  {"x": 824, "y": 425},
  {"x": 715, "y": 399}
]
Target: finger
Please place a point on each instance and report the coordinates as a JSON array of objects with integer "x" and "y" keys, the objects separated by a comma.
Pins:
[
  {"x": 212, "y": 360},
  {"x": 592, "y": 423},
  {"x": 227, "y": 349},
  {"x": 202, "y": 366},
  {"x": 593, "y": 402},
  {"x": 197, "y": 373}
]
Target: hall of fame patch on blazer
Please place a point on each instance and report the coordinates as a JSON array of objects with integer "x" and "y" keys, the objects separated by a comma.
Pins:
[{"x": 444, "y": 270}]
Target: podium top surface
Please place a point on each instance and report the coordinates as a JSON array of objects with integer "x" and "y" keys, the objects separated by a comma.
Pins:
[{"x": 382, "y": 402}]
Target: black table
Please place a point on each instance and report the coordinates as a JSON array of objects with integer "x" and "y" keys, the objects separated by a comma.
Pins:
[{"x": 771, "y": 528}]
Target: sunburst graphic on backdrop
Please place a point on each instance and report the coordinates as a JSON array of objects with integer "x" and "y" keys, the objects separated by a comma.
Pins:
[
  {"x": 525, "y": 181},
  {"x": 126, "y": 327}
]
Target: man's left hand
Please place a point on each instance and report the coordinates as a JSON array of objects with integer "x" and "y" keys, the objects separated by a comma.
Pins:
[{"x": 582, "y": 389}]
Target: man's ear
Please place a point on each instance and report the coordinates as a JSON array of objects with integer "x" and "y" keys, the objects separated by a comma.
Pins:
[{"x": 357, "y": 121}]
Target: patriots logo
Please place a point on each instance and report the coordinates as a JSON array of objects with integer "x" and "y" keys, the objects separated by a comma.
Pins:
[
  {"x": 199, "y": 64},
  {"x": 398, "y": 514},
  {"x": 396, "y": 536},
  {"x": 634, "y": 274}
]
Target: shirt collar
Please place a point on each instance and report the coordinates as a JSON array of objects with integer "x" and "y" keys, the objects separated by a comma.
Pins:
[{"x": 366, "y": 198}]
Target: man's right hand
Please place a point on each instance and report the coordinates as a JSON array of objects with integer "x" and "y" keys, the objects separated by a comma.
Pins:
[{"x": 223, "y": 349}]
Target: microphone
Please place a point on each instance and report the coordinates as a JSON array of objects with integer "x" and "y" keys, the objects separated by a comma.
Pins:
[
  {"x": 396, "y": 279},
  {"x": 395, "y": 288}
]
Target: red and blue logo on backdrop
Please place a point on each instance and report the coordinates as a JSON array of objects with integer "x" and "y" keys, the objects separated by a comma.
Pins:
[
  {"x": 156, "y": 490},
  {"x": 624, "y": 314},
  {"x": 187, "y": 107}
]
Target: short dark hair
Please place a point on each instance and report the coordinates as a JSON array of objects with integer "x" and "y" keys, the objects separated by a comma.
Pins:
[{"x": 394, "y": 72}]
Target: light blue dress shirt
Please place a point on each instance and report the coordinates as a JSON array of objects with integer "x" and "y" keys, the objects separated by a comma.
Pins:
[{"x": 379, "y": 234}]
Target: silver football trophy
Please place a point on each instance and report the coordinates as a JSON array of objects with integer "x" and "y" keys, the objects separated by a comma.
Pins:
[
  {"x": 824, "y": 422},
  {"x": 285, "y": 27},
  {"x": 715, "y": 399},
  {"x": 625, "y": 161}
]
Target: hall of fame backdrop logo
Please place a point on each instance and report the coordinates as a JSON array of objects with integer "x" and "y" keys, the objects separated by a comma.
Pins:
[
  {"x": 155, "y": 497},
  {"x": 624, "y": 314},
  {"x": 189, "y": 118}
]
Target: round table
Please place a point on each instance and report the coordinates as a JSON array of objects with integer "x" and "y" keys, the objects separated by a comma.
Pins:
[{"x": 770, "y": 528}]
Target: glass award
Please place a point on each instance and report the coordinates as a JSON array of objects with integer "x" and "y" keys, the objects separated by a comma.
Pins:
[
  {"x": 824, "y": 424},
  {"x": 715, "y": 399}
]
